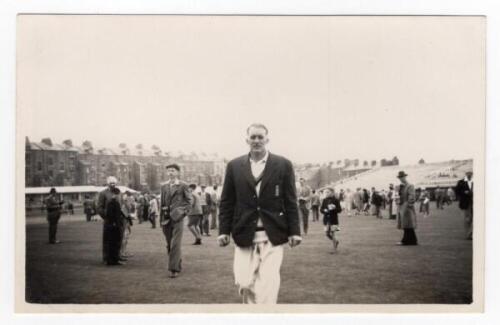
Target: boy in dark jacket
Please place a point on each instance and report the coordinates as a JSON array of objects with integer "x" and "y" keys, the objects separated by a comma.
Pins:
[{"x": 330, "y": 208}]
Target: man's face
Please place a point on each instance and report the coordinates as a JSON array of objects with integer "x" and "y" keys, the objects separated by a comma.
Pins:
[
  {"x": 112, "y": 185},
  {"x": 172, "y": 173},
  {"x": 403, "y": 179},
  {"x": 469, "y": 175},
  {"x": 302, "y": 181},
  {"x": 257, "y": 139}
]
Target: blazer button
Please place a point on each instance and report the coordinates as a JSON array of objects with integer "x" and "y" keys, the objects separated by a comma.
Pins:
[{"x": 258, "y": 208}]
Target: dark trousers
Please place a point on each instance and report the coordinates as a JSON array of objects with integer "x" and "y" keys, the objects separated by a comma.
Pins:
[
  {"x": 111, "y": 243},
  {"x": 205, "y": 222},
  {"x": 409, "y": 237},
  {"x": 53, "y": 228},
  {"x": 152, "y": 219},
  {"x": 213, "y": 212},
  {"x": 315, "y": 211},
  {"x": 304, "y": 214}
]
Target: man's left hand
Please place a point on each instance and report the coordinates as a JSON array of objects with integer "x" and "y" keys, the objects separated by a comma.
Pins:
[{"x": 294, "y": 240}]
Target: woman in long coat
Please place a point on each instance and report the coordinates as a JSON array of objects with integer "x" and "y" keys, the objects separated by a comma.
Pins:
[{"x": 407, "y": 216}]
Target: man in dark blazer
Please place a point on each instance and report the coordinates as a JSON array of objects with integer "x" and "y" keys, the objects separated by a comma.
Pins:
[
  {"x": 258, "y": 207},
  {"x": 464, "y": 192}
]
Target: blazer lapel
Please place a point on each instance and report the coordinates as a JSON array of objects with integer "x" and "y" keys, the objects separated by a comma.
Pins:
[
  {"x": 268, "y": 171},
  {"x": 247, "y": 171}
]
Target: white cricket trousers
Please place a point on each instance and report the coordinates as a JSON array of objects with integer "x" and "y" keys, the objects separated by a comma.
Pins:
[{"x": 257, "y": 272}]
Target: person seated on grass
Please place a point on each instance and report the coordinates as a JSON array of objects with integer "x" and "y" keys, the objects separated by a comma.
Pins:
[{"x": 330, "y": 208}]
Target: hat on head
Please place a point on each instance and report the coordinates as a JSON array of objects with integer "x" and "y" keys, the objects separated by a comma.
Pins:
[
  {"x": 174, "y": 166},
  {"x": 402, "y": 174}
]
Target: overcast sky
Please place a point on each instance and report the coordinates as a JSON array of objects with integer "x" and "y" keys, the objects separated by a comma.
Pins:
[{"x": 328, "y": 88}]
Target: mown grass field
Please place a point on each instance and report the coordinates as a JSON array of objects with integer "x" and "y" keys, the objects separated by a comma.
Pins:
[{"x": 368, "y": 268}]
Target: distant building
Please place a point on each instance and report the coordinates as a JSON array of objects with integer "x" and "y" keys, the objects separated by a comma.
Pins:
[{"x": 49, "y": 164}]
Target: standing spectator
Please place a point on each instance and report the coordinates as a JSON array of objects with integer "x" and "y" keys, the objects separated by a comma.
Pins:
[
  {"x": 376, "y": 202},
  {"x": 451, "y": 195},
  {"x": 110, "y": 209},
  {"x": 140, "y": 208},
  {"x": 465, "y": 194},
  {"x": 330, "y": 208},
  {"x": 304, "y": 202},
  {"x": 205, "y": 202},
  {"x": 348, "y": 202},
  {"x": 439, "y": 198},
  {"x": 424, "y": 202},
  {"x": 358, "y": 200},
  {"x": 126, "y": 229},
  {"x": 195, "y": 215},
  {"x": 70, "y": 208},
  {"x": 145, "y": 207},
  {"x": 153, "y": 211},
  {"x": 89, "y": 208},
  {"x": 407, "y": 217},
  {"x": 391, "y": 200},
  {"x": 366, "y": 201},
  {"x": 341, "y": 198},
  {"x": 214, "y": 204},
  {"x": 54, "y": 207},
  {"x": 383, "y": 194},
  {"x": 176, "y": 201},
  {"x": 315, "y": 205}
]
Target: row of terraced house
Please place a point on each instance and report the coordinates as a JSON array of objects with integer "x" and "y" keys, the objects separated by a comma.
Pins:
[{"x": 142, "y": 169}]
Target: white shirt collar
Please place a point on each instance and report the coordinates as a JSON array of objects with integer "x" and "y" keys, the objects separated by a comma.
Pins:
[
  {"x": 262, "y": 161},
  {"x": 175, "y": 182}
]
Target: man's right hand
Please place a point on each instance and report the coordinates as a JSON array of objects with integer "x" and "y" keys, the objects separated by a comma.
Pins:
[{"x": 223, "y": 240}]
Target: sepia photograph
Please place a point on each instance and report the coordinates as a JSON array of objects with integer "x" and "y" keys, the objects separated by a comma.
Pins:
[{"x": 210, "y": 162}]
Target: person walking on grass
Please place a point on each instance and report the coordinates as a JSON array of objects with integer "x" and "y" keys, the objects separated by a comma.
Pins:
[
  {"x": 258, "y": 207},
  {"x": 195, "y": 215},
  {"x": 176, "y": 201},
  {"x": 330, "y": 208},
  {"x": 315, "y": 203}
]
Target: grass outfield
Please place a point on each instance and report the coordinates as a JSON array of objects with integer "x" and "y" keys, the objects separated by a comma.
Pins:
[{"x": 368, "y": 268}]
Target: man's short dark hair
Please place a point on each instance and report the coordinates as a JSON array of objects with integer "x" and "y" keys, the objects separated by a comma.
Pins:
[
  {"x": 53, "y": 191},
  {"x": 257, "y": 125},
  {"x": 192, "y": 186},
  {"x": 174, "y": 166}
]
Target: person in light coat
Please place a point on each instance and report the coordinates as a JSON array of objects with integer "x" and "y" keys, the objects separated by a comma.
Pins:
[{"x": 407, "y": 216}]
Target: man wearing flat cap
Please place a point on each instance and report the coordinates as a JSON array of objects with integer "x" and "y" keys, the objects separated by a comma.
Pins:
[
  {"x": 464, "y": 192},
  {"x": 175, "y": 203},
  {"x": 407, "y": 216}
]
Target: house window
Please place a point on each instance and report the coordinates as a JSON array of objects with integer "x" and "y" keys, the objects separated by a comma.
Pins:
[
  {"x": 39, "y": 166},
  {"x": 50, "y": 161},
  {"x": 61, "y": 165},
  {"x": 50, "y": 173}
]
